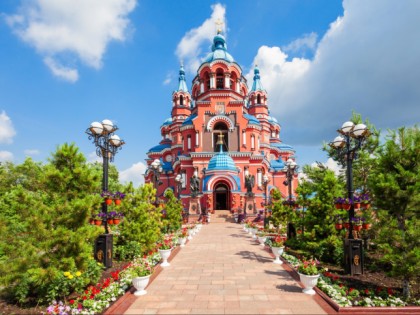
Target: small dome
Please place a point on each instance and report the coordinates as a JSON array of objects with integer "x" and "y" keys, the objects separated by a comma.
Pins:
[
  {"x": 159, "y": 147},
  {"x": 189, "y": 120},
  {"x": 283, "y": 146},
  {"x": 221, "y": 161},
  {"x": 273, "y": 120},
  {"x": 252, "y": 119},
  {"x": 277, "y": 164},
  {"x": 167, "y": 122}
]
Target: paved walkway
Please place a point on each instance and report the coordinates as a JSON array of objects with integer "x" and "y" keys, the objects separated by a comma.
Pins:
[{"x": 223, "y": 271}]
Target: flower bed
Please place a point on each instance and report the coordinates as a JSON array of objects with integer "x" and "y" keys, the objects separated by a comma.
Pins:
[
  {"x": 96, "y": 299},
  {"x": 344, "y": 298}
]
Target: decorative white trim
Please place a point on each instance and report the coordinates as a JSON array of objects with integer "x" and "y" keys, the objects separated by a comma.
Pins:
[
  {"x": 213, "y": 180},
  {"x": 217, "y": 118}
]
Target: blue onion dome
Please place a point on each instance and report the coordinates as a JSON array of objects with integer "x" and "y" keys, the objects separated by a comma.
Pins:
[
  {"x": 277, "y": 164},
  {"x": 282, "y": 146},
  {"x": 219, "y": 50},
  {"x": 221, "y": 161},
  {"x": 167, "y": 122},
  {"x": 252, "y": 119},
  {"x": 160, "y": 147}
]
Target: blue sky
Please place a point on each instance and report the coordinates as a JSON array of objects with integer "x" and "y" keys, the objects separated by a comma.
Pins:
[{"x": 64, "y": 64}]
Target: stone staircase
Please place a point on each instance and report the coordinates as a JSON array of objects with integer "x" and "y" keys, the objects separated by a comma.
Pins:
[{"x": 221, "y": 216}]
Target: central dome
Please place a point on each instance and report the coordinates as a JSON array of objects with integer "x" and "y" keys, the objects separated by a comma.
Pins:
[
  {"x": 221, "y": 161},
  {"x": 219, "y": 50}
]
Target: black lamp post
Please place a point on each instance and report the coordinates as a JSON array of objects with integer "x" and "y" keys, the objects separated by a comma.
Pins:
[
  {"x": 351, "y": 140},
  {"x": 156, "y": 169},
  {"x": 291, "y": 168},
  {"x": 107, "y": 145},
  {"x": 265, "y": 181},
  {"x": 178, "y": 182}
]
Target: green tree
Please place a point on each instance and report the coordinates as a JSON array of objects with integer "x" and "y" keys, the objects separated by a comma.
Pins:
[
  {"x": 142, "y": 219},
  {"x": 395, "y": 181},
  {"x": 43, "y": 226},
  {"x": 323, "y": 186},
  {"x": 173, "y": 218}
]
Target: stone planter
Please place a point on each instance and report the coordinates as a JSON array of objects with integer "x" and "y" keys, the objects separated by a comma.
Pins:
[
  {"x": 164, "y": 254},
  {"x": 277, "y": 251},
  {"x": 182, "y": 241},
  {"x": 309, "y": 282},
  {"x": 140, "y": 283},
  {"x": 262, "y": 240}
]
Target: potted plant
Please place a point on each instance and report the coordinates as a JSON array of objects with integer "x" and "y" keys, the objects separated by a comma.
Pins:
[
  {"x": 277, "y": 247},
  {"x": 111, "y": 216},
  {"x": 338, "y": 223},
  {"x": 99, "y": 218},
  {"x": 357, "y": 223},
  {"x": 309, "y": 273},
  {"x": 365, "y": 201},
  {"x": 164, "y": 248},
  {"x": 262, "y": 236},
  {"x": 107, "y": 195},
  {"x": 183, "y": 237},
  {"x": 356, "y": 201},
  {"x": 140, "y": 272},
  {"x": 338, "y": 202},
  {"x": 118, "y": 196},
  {"x": 118, "y": 217},
  {"x": 347, "y": 203}
]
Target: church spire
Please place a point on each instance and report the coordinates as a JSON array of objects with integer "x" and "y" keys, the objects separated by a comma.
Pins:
[
  {"x": 257, "y": 85},
  {"x": 182, "y": 85}
]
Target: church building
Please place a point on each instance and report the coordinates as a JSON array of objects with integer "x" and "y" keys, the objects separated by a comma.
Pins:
[{"x": 221, "y": 131}]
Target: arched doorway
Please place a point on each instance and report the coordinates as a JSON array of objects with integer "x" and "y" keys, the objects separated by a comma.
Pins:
[{"x": 221, "y": 197}]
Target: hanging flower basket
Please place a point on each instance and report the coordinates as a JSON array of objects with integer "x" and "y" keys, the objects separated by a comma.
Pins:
[
  {"x": 110, "y": 221},
  {"x": 366, "y": 226},
  {"x": 365, "y": 206},
  {"x": 338, "y": 226},
  {"x": 357, "y": 228},
  {"x": 108, "y": 201},
  {"x": 117, "y": 202},
  {"x": 346, "y": 225}
]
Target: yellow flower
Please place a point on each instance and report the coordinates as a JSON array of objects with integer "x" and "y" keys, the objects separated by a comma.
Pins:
[
  {"x": 78, "y": 273},
  {"x": 66, "y": 274},
  {"x": 70, "y": 277}
]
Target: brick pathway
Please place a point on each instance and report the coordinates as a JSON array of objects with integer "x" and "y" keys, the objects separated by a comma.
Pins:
[{"x": 223, "y": 271}]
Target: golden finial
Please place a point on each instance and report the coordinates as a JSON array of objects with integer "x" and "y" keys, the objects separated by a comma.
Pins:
[
  {"x": 220, "y": 140},
  {"x": 219, "y": 24}
]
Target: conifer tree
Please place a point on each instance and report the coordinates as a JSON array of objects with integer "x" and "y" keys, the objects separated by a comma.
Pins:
[
  {"x": 142, "y": 219},
  {"x": 395, "y": 182},
  {"x": 173, "y": 217}
]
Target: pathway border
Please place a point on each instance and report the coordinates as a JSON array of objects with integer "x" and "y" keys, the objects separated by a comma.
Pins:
[{"x": 125, "y": 301}]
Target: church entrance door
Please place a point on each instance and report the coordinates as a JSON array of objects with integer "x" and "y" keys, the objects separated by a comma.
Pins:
[{"x": 222, "y": 196}]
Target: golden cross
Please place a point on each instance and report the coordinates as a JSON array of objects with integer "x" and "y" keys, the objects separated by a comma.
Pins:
[{"x": 219, "y": 24}]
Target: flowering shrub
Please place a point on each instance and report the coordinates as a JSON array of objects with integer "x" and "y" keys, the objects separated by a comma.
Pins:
[
  {"x": 309, "y": 267},
  {"x": 166, "y": 243},
  {"x": 277, "y": 242},
  {"x": 184, "y": 233}
]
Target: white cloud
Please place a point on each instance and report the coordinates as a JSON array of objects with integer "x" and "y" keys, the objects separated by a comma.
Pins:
[
  {"x": 31, "y": 152},
  {"x": 331, "y": 165},
  {"x": 82, "y": 28},
  {"x": 6, "y": 156},
  {"x": 190, "y": 47},
  {"x": 68, "y": 74},
  {"x": 307, "y": 41},
  {"x": 134, "y": 174},
  {"x": 7, "y": 131},
  {"x": 363, "y": 63},
  {"x": 169, "y": 78},
  {"x": 93, "y": 157}
]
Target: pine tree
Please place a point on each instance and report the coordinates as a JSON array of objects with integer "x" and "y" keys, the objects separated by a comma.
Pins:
[
  {"x": 395, "y": 182},
  {"x": 173, "y": 208}
]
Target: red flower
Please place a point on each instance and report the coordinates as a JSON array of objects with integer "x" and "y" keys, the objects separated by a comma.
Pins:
[
  {"x": 84, "y": 298},
  {"x": 351, "y": 289},
  {"x": 71, "y": 302},
  {"x": 367, "y": 291},
  {"x": 341, "y": 285},
  {"x": 390, "y": 291}
]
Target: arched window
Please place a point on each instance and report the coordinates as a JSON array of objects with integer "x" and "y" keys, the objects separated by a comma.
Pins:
[
  {"x": 219, "y": 79},
  {"x": 181, "y": 100},
  {"x": 258, "y": 99},
  {"x": 189, "y": 142},
  {"x": 220, "y": 128},
  {"x": 207, "y": 81},
  {"x": 252, "y": 142}
]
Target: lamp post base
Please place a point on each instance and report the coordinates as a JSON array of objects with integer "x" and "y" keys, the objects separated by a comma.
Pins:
[
  {"x": 353, "y": 256},
  {"x": 104, "y": 249}
]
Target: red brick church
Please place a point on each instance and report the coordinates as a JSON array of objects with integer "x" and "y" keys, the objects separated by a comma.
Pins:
[{"x": 221, "y": 131}]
